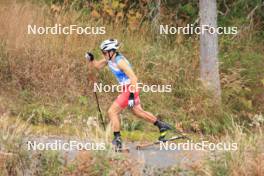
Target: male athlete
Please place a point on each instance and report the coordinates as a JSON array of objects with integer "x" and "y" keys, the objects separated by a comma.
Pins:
[{"x": 129, "y": 97}]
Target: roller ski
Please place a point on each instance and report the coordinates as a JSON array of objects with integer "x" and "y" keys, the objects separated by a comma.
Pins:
[
  {"x": 118, "y": 146},
  {"x": 164, "y": 128}
]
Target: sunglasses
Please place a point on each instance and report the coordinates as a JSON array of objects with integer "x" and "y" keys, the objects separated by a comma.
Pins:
[{"x": 104, "y": 52}]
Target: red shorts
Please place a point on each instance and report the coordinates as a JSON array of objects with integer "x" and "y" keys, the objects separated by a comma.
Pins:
[{"x": 122, "y": 99}]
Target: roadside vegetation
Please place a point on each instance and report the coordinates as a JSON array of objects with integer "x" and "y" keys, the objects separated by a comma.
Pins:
[{"x": 44, "y": 86}]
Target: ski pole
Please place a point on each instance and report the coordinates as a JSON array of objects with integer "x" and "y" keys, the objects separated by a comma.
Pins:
[
  {"x": 92, "y": 78},
  {"x": 99, "y": 109}
]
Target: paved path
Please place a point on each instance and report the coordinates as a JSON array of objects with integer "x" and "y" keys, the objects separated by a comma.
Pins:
[
  {"x": 151, "y": 156},
  {"x": 154, "y": 156}
]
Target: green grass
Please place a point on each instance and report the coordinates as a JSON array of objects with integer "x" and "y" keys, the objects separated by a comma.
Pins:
[
  {"x": 50, "y": 163},
  {"x": 155, "y": 60}
]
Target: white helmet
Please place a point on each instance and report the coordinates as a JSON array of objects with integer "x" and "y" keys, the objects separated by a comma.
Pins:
[{"x": 110, "y": 44}]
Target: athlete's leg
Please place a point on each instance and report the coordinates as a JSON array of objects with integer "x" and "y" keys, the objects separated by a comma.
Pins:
[
  {"x": 113, "y": 114},
  {"x": 139, "y": 112},
  {"x": 163, "y": 127}
]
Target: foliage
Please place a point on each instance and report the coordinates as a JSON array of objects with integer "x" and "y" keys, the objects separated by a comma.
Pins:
[
  {"x": 52, "y": 90},
  {"x": 5, "y": 74},
  {"x": 50, "y": 163},
  {"x": 134, "y": 13},
  {"x": 44, "y": 81}
]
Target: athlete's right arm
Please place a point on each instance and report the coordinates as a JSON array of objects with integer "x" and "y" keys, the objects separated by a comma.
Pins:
[
  {"x": 91, "y": 62},
  {"x": 99, "y": 64}
]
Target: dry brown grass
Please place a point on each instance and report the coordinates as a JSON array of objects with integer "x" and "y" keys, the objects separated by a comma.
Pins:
[
  {"x": 247, "y": 160},
  {"x": 53, "y": 69},
  {"x": 54, "y": 66},
  {"x": 13, "y": 157},
  {"x": 90, "y": 164},
  {"x": 40, "y": 62}
]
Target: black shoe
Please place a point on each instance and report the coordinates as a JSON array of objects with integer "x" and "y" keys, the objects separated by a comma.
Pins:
[
  {"x": 163, "y": 128},
  {"x": 117, "y": 142}
]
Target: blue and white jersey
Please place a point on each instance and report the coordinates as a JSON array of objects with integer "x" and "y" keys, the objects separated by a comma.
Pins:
[{"x": 121, "y": 77}]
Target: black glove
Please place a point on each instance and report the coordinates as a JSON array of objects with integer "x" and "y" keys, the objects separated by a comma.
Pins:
[
  {"x": 89, "y": 56},
  {"x": 131, "y": 100}
]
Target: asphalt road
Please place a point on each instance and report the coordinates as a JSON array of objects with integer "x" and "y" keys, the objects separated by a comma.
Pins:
[{"x": 151, "y": 156}]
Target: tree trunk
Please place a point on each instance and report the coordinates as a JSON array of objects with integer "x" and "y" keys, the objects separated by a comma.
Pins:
[{"x": 209, "y": 49}]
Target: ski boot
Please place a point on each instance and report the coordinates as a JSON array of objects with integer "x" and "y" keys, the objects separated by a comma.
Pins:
[
  {"x": 163, "y": 128},
  {"x": 117, "y": 142}
]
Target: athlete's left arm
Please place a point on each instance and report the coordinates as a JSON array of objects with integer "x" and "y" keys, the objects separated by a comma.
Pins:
[{"x": 130, "y": 73}]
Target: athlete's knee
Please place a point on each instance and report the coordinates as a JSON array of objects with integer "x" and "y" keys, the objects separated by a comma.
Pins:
[
  {"x": 134, "y": 111},
  {"x": 111, "y": 112}
]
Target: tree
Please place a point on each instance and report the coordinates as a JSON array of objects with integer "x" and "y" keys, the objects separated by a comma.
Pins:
[{"x": 209, "y": 49}]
